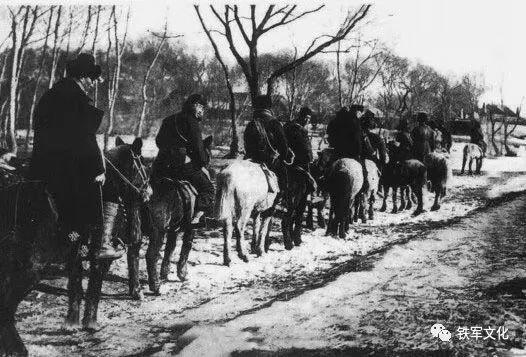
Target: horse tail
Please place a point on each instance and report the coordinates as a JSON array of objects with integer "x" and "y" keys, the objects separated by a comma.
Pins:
[{"x": 225, "y": 202}]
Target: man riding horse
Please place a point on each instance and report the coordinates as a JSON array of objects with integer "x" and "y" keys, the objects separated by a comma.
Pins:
[
  {"x": 300, "y": 144},
  {"x": 405, "y": 148},
  {"x": 374, "y": 145},
  {"x": 423, "y": 137},
  {"x": 476, "y": 135},
  {"x": 182, "y": 155},
  {"x": 265, "y": 140},
  {"x": 345, "y": 135},
  {"x": 66, "y": 155}
]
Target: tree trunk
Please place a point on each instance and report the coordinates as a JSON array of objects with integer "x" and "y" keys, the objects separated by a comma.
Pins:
[
  {"x": 11, "y": 127},
  {"x": 54, "y": 58}
]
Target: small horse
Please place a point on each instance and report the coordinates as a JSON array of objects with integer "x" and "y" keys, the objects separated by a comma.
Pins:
[
  {"x": 473, "y": 152},
  {"x": 27, "y": 243},
  {"x": 171, "y": 210},
  {"x": 344, "y": 179},
  {"x": 439, "y": 173},
  {"x": 403, "y": 175},
  {"x": 127, "y": 185},
  {"x": 242, "y": 192}
]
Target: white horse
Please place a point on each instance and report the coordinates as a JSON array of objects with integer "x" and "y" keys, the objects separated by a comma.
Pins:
[
  {"x": 242, "y": 192},
  {"x": 473, "y": 152},
  {"x": 365, "y": 203}
]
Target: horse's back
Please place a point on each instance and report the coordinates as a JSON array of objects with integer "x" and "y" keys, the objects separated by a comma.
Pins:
[{"x": 351, "y": 169}]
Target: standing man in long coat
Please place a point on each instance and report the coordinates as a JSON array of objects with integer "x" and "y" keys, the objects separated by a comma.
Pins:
[
  {"x": 182, "y": 154},
  {"x": 67, "y": 157}
]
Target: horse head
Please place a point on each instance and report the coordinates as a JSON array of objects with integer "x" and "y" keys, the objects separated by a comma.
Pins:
[{"x": 126, "y": 171}]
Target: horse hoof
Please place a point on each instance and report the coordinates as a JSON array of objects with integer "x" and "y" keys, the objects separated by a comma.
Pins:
[
  {"x": 418, "y": 212},
  {"x": 90, "y": 325},
  {"x": 288, "y": 246},
  {"x": 435, "y": 208},
  {"x": 137, "y": 295},
  {"x": 155, "y": 289},
  {"x": 243, "y": 258},
  {"x": 71, "y": 322},
  {"x": 297, "y": 243},
  {"x": 226, "y": 262}
]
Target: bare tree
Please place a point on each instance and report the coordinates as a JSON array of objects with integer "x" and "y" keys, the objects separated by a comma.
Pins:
[
  {"x": 113, "y": 85},
  {"x": 38, "y": 77},
  {"x": 273, "y": 18},
  {"x": 57, "y": 40},
  {"x": 23, "y": 22},
  {"x": 234, "y": 143},
  {"x": 95, "y": 35},
  {"x": 162, "y": 38}
]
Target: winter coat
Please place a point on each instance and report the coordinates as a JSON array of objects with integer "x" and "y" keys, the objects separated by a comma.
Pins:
[
  {"x": 406, "y": 145},
  {"x": 265, "y": 138},
  {"x": 65, "y": 152},
  {"x": 345, "y": 136},
  {"x": 179, "y": 138},
  {"x": 298, "y": 139},
  {"x": 423, "y": 141}
]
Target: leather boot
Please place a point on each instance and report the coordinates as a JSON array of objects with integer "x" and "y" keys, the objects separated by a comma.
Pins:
[{"x": 107, "y": 251}]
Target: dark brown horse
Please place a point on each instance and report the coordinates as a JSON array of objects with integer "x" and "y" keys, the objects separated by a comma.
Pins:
[
  {"x": 29, "y": 241},
  {"x": 171, "y": 210}
]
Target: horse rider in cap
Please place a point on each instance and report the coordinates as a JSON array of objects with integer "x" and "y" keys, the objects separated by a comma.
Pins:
[
  {"x": 423, "y": 137},
  {"x": 265, "y": 140},
  {"x": 298, "y": 139},
  {"x": 346, "y": 137},
  {"x": 182, "y": 155},
  {"x": 405, "y": 141},
  {"x": 476, "y": 135},
  {"x": 374, "y": 145},
  {"x": 67, "y": 157}
]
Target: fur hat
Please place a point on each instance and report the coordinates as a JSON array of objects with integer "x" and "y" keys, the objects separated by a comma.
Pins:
[
  {"x": 195, "y": 98},
  {"x": 83, "y": 66},
  {"x": 356, "y": 107}
]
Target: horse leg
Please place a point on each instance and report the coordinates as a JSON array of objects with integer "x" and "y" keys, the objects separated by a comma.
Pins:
[
  {"x": 74, "y": 268},
  {"x": 20, "y": 285},
  {"x": 286, "y": 226},
  {"x": 152, "y": 256},
  {"x": 409, "y": 199},
  {"x": 188, "y": 239},
  {"x": 403, "y": 194},
  {"x": 171, "y": 240},
  {"x": 134, "y": 247},
  {"x": 240, "y": 235},
  {"x": 469, "y": 166},
  {"x": 384, "y": 199},
  {"x": 321, "y": 219},
  {"x": 264, "y": 232},
  {"x": 309, "y": 219},
  {"x": 464, "y": 159},
  {"x": 372, "y": 200},
  {"x": 254, "y": 245},
  {"x": 436, "y": 204},
  {"x": 134, "y": 284},
  {"x": 298, "y": 219},
  {"x": 395, "y": 209},
  {"x": 362, "y": 203},
  {"x": 228, "y": 228},
  {"x": 98, "y": 270},
  {"x": 479, "y": 166},
  {"x": 419, "y": 196}
]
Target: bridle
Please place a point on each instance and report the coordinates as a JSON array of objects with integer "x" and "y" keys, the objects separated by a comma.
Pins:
[{"x": 140, "y": 171}]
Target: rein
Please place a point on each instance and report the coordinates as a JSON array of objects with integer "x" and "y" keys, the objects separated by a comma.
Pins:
[{"x": 124, "y": 178}]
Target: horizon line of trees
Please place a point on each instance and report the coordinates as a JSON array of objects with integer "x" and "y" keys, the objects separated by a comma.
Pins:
[{"x": 149, "y": 78}]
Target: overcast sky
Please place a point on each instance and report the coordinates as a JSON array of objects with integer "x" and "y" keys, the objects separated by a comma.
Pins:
[{"x": 454, "y": 36}]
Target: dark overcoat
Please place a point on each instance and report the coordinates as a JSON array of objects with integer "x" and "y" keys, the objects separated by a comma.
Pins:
[
  {"x": 345, "y": 136},
  {"x": 298, "y": 139},
  {"x": 264, "y": 138},
  {"x": 66, "y": 155},
  {"x": 423, "y": 141}
]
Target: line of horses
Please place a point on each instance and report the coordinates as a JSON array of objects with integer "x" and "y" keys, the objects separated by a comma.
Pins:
[{"x": 29, "y": 240}]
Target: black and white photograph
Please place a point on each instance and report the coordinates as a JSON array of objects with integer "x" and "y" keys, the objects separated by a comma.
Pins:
[{"x": 262, "y": 178}]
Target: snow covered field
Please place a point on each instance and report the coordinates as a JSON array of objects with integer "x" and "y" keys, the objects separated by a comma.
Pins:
[{"x": 214, "y": 293}]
